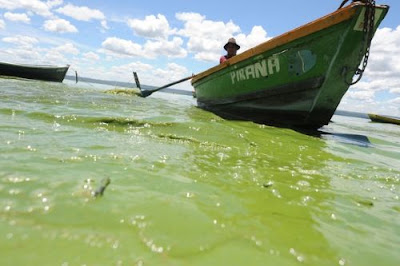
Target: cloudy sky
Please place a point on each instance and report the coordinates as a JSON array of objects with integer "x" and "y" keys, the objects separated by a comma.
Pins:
[{"x": 167, "y": 40}]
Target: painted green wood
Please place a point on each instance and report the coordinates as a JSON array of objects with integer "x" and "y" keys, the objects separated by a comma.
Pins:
[{"x": 299, "y": 83}]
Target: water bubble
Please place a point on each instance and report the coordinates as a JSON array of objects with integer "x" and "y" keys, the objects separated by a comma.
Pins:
[
  {"x": 292, "y": 251},
  {"x": 342, "y": 262},
  {"x": 271, "y": 251},
  {"x": 115, "y": 245},
  {"x": 306, "y": 199},
  {"x": 29, "y": 148},
  {"x": 303, "y": 183},
  {"x": 156, "y": 249},
  {"x": 276, "y": 193},
  {"x": 257, "y": 242},
  {"x": 333, "y": 216},
  {"x": 14, "y": 191},
  {"x": 222, "y": 156},
  {"x": 140, "y": 262},
  {"x": 56, "y": 126}
]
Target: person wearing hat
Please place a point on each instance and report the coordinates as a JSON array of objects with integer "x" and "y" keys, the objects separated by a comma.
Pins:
[{"x": 231, "y": 47}]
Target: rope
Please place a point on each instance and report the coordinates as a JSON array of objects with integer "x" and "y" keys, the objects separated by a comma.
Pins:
[
  {"x": 343, "y": 3},
  {"x": 76, "y": 74},
  {"x": 368, "y": 31}
]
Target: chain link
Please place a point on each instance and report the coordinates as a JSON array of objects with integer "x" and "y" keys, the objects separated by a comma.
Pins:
[{"x": 368, "y": 32}]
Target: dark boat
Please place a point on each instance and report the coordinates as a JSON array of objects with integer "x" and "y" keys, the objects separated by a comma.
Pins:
[{"x": 37, "y": 72}]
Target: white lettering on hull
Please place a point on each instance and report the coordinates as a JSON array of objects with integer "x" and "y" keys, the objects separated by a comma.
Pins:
[{"x": 264, "y": 68}]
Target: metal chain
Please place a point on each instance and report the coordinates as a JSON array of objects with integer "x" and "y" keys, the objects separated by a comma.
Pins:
[{"x": 368, "y": 30}]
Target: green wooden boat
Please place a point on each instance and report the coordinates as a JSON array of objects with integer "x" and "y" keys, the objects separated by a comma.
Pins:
[
  {"x": 37, "y": 72},
  {"x": 296, "y": 79},
  {"x": 384, "y": 119}
]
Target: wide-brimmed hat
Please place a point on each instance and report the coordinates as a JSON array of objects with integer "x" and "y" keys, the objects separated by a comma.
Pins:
[{"x": 233, "y": 41}]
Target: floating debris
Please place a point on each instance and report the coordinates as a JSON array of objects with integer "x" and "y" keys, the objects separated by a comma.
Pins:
[
  {"x": 124, "y": 91},
  {"x": 100, "y": 190},
  {"x": 268, "y": 185},
  {"x": 365, "y": 202}
]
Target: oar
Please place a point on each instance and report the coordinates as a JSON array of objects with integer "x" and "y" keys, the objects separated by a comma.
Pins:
[{"x": 146, "y": 93}]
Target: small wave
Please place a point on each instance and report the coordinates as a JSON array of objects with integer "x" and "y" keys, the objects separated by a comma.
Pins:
[{"x": 131, "y": 92}]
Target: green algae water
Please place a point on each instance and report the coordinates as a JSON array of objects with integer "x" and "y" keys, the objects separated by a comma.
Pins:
[{"x": 187, "y": 187}]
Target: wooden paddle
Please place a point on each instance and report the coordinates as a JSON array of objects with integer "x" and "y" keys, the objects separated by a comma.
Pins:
[{"x": 146, "y": 93}]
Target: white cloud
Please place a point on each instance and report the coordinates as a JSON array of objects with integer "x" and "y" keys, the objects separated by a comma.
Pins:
[
  {"x": 21, "y": 40},
  {"x": 22, "y": 55},
  {"x": 167, "y": 48},
  {"x": 82, "y": 13},
  {"x": 171, "y": 73},
  {"x": 395, "y": 101},
  {"x": 36, "y": 6},
  {"x": 385, "y": 54},
  {"x": 105, "y": 25},
  {"x": 151, "y": 49},
  {"x": 67, "y": 48},
  {"x": 207, "y": 37},
  {"x": 119, "y": 72},
  {"x": 148, "y": 74},
  {"x": 59, "y": 25},
  {"x": 90, "y": 56},
  {"x": 121, "y": 47},
  {"x": 2, "y": 24},
  {"x": 19, "y": 17},
  {"x": 151, "y": 27},
  {"x": 381, "y": 75},
  {"x": 54, "y": 3},
  {"x": 60, "y": 54},
  {"x": 53, "y": 56},
  {"x": 257, "y": 35},
  {"x": 362, "y": 95},
  {"x": 129, "y": 68}
]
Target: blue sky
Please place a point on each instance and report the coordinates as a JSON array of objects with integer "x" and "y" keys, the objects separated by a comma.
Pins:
[{"x": 167, "y": 40}]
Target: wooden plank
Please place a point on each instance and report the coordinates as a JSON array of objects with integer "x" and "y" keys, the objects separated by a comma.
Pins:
[{"x": 305, "y": 30}]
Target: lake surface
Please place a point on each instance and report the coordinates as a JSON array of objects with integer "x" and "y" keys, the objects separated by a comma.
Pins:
[{"x": 187, "y": 187}]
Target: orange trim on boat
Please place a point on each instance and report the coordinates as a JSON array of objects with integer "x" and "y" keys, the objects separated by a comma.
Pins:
[{"x": 334, "y": 18}]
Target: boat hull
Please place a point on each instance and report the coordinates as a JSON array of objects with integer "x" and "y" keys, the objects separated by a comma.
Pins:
[
  {"x": 384, "y": 119},
  {"x": 295, "y": 79},
  {"x": 45, "y": 73}
]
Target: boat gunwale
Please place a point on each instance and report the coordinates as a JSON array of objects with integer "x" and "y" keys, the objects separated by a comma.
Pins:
[
  {"x": 35, "y": 66},
  {"x": 322, "y": 23}
]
